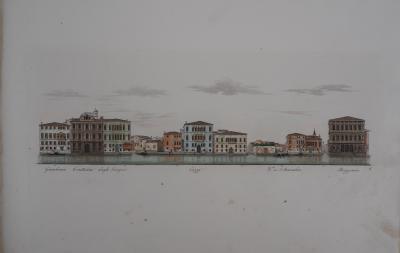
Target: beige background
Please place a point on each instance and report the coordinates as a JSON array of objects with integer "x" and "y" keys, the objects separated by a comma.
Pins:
[{"x": 64, "y": 57}]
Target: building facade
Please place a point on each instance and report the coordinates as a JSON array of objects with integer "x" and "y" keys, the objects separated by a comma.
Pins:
[
  {"x": 139, "y": 142},
  {"x": 87, "y": 133},
  {"x": 172, "y": 141},
  {"x": 96, "y": 135},
  {"x": 153, "y": 146},
  {"x": 348, "y": 135},
  {"x": 116, "y": 133},
  {"x": 313, "y": 144},
  {"x": 260, "y": 147},
  {"x": 295, "y": 143},
  {"x": 54, "y": 138},
  {"x": 197, "y": 137},
  {"x": 298, "y": 143},
  {"x": 229, "y": 142}
]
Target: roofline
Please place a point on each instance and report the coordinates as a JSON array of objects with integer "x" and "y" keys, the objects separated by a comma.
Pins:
[
  {"x": 55, "y": 123},
  {"x": 296, "y": 134},
  {"x": 343, "y": 119},
  {"x": 228, "y": 132},
  {"x": 100, "y": 119},
  {"x": 172, "y": 132},
  {"x": 202, "y": 123}
]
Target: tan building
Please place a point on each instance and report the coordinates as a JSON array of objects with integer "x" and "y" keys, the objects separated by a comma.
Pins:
[
  {"x": 144, "y": 144},
  {"x": 313, "y": 144},
  {"x": 295, "y": 143},
  {"x": 172, "y": 141},
  {"x": 298, "y": 143},
  {"x": 153, "y": 146},
  {"x": 260, "y": 147},
  {"x": 117, "y": 133},
  {"x": 263, "y": 147},
  {"x": 348, "y": 135},
  {"x": 139, "y": 142},
  {"x": 231, "y": 142}
]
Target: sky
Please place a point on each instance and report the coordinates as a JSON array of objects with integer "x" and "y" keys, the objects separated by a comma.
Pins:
[{"x": 267, "y": 68}]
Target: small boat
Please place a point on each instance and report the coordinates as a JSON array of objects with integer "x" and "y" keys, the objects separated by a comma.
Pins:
[{"x": 142, "y": 153}]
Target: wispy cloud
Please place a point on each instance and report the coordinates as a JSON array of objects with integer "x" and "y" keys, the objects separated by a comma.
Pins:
[
  {"x": 228, "y": 87},
  {"x": 298, "y": 113},
  {"x": 323, "y": 89},
  {"x": 67, "y": 93},
  {"x": 140, "y": 91}
]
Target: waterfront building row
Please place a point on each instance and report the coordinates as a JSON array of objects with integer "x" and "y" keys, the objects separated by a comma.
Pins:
[
  {"x": 92, "y": 134},
  {"x": 88, "y": 133}
]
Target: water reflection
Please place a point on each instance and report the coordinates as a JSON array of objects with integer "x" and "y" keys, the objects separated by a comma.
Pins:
[{"x": 135, "y": 159}]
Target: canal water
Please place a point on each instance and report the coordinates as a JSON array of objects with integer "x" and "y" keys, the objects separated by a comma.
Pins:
[{"x": 160, "y": 159}]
